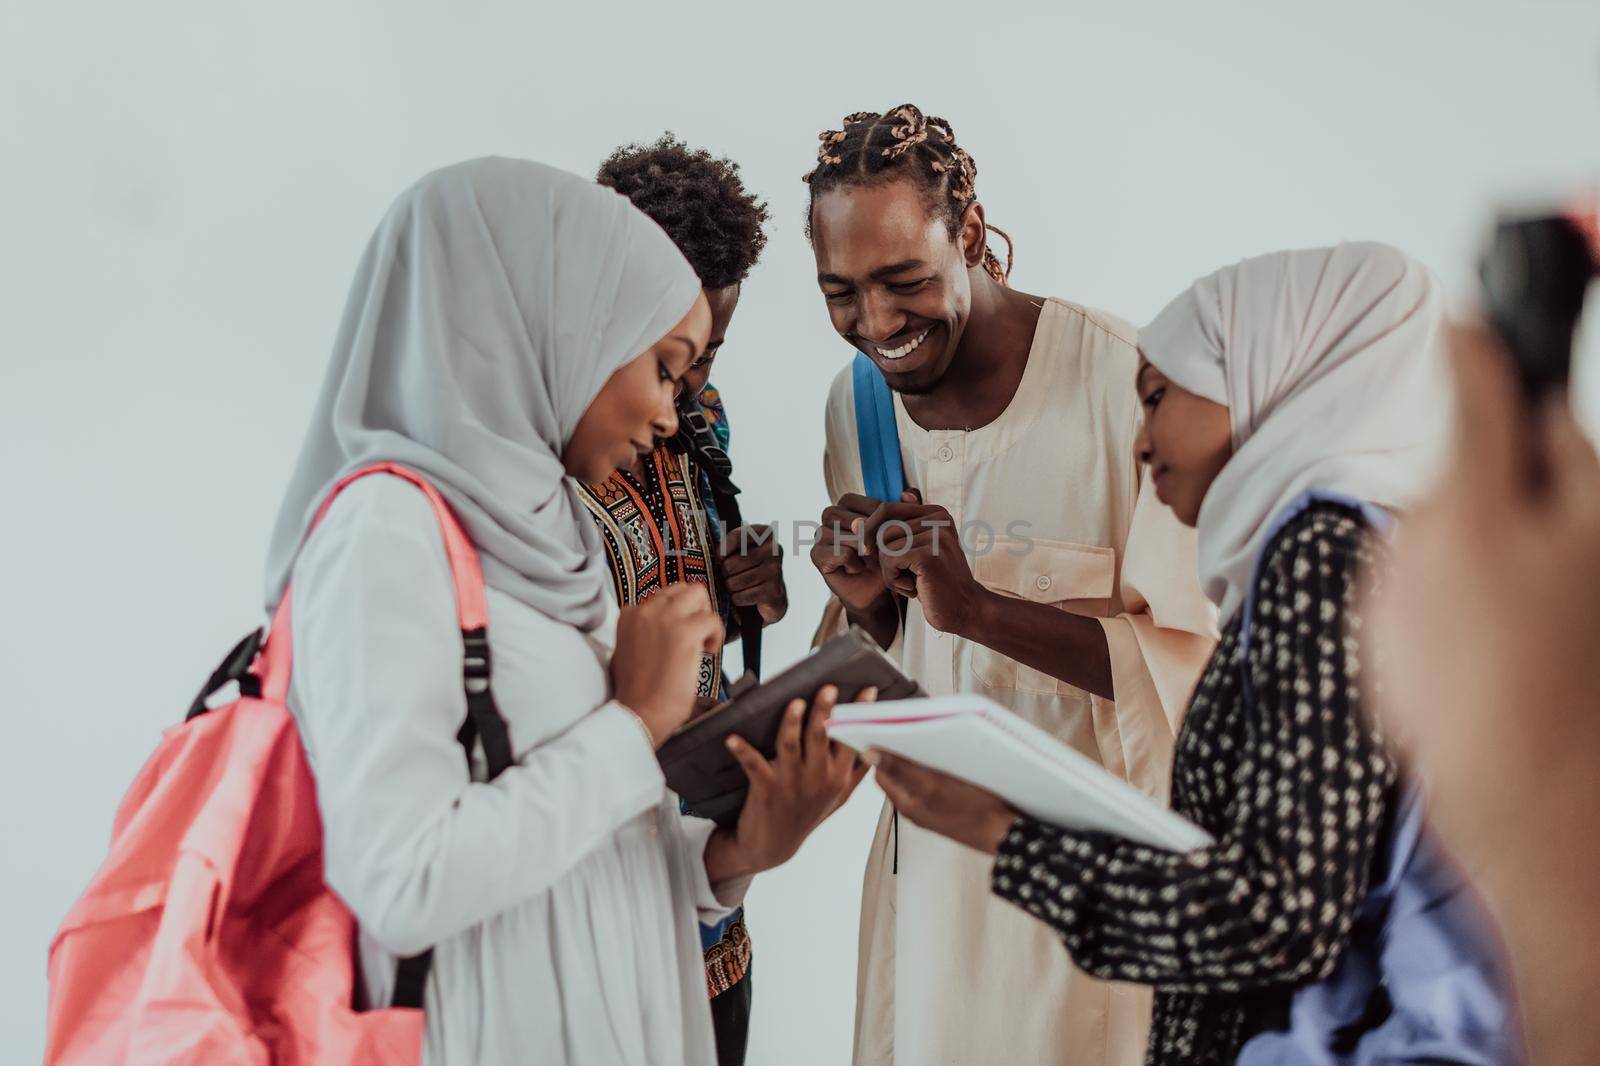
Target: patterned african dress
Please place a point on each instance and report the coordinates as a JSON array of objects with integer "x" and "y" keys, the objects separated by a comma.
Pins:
[
  {"x": 656, "y": 534},
  {"x": 659, "y": 530},
  {"x": 1294, "y": 784}
]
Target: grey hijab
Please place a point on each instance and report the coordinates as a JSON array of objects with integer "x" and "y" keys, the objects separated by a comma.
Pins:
[{"x": 493, "y": 302}]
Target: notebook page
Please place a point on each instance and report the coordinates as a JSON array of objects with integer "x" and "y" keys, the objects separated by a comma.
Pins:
[{"x": 978, "y": 741}]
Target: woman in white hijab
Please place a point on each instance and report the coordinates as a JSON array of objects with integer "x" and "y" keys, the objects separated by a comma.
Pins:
[
  {"x": 509, "y": 325},
  {"x": 1300, "y": 372}
]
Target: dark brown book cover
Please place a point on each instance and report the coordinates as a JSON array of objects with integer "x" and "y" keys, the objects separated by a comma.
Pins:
[{"x": 696, "y": 760}]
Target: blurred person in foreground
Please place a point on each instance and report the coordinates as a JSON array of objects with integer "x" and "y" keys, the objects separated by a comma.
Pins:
[{"x": 1493, "y": 620}]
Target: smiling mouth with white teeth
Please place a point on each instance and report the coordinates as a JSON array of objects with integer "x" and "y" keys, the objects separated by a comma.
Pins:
[{"x": 905, "y": 349}]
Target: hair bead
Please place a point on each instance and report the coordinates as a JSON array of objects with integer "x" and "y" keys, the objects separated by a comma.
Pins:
[{"x": 871, "y": 143}]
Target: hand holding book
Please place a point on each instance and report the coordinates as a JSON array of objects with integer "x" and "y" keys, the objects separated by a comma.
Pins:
[
  {"x": 703, "y": 769},
  {"x": 790, "y": 794},
  {"x": 966, "y": 767},
  {"x": 943, "y": 804}
]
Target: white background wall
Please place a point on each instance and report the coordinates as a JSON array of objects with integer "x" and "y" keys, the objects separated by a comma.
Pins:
[{"x": 186, "y": 187}]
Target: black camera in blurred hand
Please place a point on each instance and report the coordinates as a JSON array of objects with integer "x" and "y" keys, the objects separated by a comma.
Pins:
[{"x": 1535, "y": 277}]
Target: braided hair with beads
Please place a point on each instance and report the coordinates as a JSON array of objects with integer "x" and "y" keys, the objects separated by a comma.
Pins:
[{"x": 904, "y": 143}]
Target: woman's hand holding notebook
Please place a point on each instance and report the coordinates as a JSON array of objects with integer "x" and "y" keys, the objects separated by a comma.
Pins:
[{"x": 977, "y": 741}]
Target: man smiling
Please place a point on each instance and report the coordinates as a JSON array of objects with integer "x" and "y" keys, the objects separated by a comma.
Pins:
[{"x": 1014, "y": 413}]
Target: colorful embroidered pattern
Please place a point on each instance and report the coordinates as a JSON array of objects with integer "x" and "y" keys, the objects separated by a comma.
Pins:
[
  {"x": 728, "y": 960},
  {"x": 716, "y": 414},
  {"x": 654, "y": 528},
  {"x": 717, "y": 417}
]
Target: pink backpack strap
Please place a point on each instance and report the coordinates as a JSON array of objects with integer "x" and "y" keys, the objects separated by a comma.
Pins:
[
  {"x": 484, "y": 723},
  {"x": 262, "y": 666},
  {"x": 471, "y": 610}
]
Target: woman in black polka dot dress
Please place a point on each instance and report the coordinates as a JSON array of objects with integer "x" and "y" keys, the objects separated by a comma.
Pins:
[
  {"x": 1290, "y": 372},
  {"x": 1294, "y": 784}
]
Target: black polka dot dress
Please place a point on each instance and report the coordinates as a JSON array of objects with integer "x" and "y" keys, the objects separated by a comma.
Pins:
[{"x": 1295, "y": 786}]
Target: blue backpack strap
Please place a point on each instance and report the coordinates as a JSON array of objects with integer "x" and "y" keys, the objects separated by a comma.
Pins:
[
  {"x": 881, "y": 472},
  {"x": 883, "y": 476}
]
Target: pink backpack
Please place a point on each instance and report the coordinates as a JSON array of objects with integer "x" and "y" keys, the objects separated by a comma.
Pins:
[{"x": 208, "y": 937}]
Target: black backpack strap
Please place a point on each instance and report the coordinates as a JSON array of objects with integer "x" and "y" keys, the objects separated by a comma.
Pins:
[
  {"x": 235, "y": 667},
  {"x": 411, "y": 980},
  {"x": 483, "y": 723},
  {"x": 696, "y": 438},
  {"x": 486, "y": 725},
  {"x": 750, "y": 624}
]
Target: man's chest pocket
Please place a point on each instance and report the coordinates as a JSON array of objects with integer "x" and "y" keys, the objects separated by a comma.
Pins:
[{"x": 1079, "y": 578}]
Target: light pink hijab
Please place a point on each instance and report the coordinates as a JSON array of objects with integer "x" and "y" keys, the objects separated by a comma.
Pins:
[{"x": 1329, "y": 361}]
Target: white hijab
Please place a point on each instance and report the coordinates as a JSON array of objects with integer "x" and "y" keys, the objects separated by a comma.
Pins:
[
  {"x": 1329, "y": 363},
  {"x": 493, "y": 302}
]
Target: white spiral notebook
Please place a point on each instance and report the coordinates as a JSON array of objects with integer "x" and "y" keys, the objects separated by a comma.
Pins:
[{"x": 977, "y": 740}]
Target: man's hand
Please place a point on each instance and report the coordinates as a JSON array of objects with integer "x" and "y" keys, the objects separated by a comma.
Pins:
[
  {"x": 752, "y": 561},
  {"x": 918, "y": 552},
  {"x": 943, "y": 804},
  {"x": 837, "y": 554}
]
